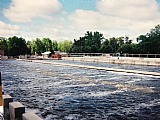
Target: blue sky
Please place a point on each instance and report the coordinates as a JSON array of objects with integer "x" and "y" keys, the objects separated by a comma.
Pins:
[
  {"x": 72, "y": 5},
  {"x": 69, "y": 19}
]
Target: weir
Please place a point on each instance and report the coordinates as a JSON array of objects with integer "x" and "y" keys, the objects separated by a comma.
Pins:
[
  {"x": 102, "y": 68},
  {"x": 115, "y": 60}
]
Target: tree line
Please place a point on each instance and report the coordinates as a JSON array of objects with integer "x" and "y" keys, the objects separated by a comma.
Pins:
[
  {"x": 94, "y": 42},
  {"x": 91, "y": 42},
  {"x": 15, "y": 46}
]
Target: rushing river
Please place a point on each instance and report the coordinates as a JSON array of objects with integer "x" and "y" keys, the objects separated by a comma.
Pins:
[{"x": 68, "y": 93}]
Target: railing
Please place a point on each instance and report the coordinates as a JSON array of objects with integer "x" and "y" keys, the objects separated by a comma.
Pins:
[
  {"x": 143, "y": 55},
  {"x": 83, "y": 54},
  {"x": 113, "y": 55}
]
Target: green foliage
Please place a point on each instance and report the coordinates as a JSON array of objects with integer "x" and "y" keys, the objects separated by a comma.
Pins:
[
  {"x": 16, "y": 46},
  {"x": 28, "y": 44},
  {"x": 54, "y": 45},
  {"x": 114, "y": 44},
  {"x": 38, "y": 46},
  {"x": 47, "y": 44},
  {"x": 106, "y": 47},
  {"x": 128, "y": 48},
  {"x": 65, "y": 46},
  {"x": 150, "y": 43},
  {"x": 90, "y": 43},
  {"x": 32, "y": 46},
  {"x": 3, "y": 45}
]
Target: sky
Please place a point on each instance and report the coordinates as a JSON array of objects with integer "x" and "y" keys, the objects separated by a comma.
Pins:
[{"x": 70, "y": 19}]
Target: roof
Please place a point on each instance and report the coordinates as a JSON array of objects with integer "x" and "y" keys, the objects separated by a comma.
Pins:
[{"x": 46, "y": 53}]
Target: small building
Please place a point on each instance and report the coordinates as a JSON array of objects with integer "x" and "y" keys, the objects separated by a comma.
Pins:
[
  {"x": 46, "y": 54},
  {"x": 57, "y": 55}
]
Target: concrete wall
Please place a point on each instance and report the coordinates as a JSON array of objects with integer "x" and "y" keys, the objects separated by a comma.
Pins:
[
  {"x": 16, "y": 111},
  {"x": 121, "y": 60}
]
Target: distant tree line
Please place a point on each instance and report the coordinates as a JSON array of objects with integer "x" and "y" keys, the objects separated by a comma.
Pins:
[
  {"x": 91, "y": 42},
  {"x": 15, "y": 46}
]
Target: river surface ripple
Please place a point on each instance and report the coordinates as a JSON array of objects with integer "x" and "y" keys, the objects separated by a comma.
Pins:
[{"x": 69, "y": 93}]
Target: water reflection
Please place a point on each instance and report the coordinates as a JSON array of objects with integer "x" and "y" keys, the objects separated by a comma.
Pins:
[{"x": 69, "y": 93}]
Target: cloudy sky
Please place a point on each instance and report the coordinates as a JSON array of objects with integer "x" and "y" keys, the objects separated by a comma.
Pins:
[{"x": 68, "y": 19}]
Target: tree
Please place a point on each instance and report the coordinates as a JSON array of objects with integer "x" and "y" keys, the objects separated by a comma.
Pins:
[
  {"x": 16, "y": 46},
  {"x": 38, "y": 46},
  {"x": 114, "y": 45},
  {"x": 105, "y": 47},
  {"x": 79, "y": 45},
  {"x": 155, "y": 33},
  {"x": 65, "y": 46},
  {"x": 47, "y": 44},
  {"x": 3, "y": 45},
  {"x": 28, "y": 44},
  {"x": 128, "y": 48},
  {"x": 120, "y": 40},
  {"x": 90, "y": 43},
  {"x": 32, "y": 44},
  {"x": 150, "y": 43},
  {"x": 54, "y": 45},
  {"x": 93, "y": 41}
]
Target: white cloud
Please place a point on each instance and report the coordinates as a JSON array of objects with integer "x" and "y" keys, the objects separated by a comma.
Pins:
[
  {"x": 130, "y": 9},
  {"x": 118, "y": 17},
  {"x": 57, "y": 29},
  {"x": 112, "y": 18},
  {"x": 96, "y": 20},
  {"x": 7, "y": 30},
  {"x": 26, "y": 10},
  {"x": 85, "y": 19}
]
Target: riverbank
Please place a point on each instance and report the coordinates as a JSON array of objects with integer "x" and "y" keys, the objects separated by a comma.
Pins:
[{"x": 115, "y": 60}]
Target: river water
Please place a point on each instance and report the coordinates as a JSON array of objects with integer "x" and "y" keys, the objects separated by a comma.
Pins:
[{"x": 68, "y": 93}]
